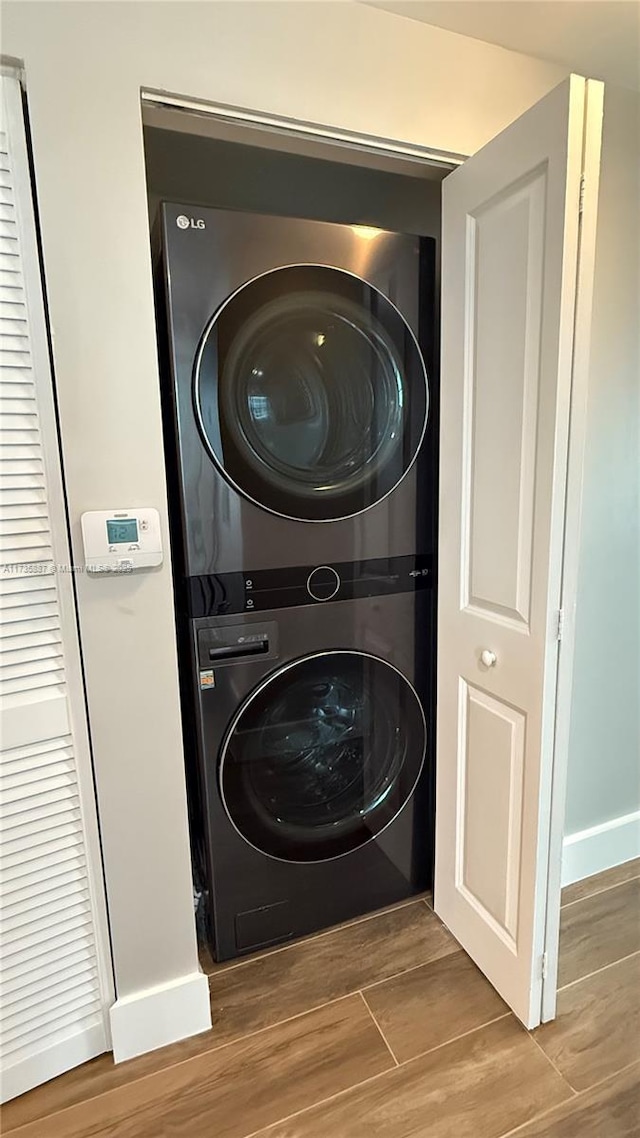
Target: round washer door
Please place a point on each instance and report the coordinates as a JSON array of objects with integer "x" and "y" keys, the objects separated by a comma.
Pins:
[
  {"x": 311, "y": 393},
  {"x": 322, "y": 756}
]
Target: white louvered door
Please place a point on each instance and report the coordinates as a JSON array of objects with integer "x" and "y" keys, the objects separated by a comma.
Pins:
[{"x": 55, "y": 972}]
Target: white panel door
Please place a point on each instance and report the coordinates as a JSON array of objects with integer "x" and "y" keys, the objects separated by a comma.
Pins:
[
  {"x": 510, "y": 254},
  {"x": 55, "y": 971}
]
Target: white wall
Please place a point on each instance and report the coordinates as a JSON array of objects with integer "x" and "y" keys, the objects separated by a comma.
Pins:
[
  {"x": 338, "y": 63},
  {"x": 604, "y": 758}
]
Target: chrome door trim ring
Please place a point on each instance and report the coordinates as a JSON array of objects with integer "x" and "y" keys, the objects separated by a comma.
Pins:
[
  {"x": 255, "y": 692},
  {"x": 195, "y": 383},
  {"x": 331, "y": 595}
]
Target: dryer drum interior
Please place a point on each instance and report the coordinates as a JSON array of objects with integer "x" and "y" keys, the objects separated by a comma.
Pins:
[
  {"x": 311, "y": 392},
  {"x": 322, "y": 756}
]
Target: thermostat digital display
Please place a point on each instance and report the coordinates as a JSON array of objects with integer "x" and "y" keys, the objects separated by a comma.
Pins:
[
  {"x": 121, "y": 540},
  {"x": 120, "y": 531}
]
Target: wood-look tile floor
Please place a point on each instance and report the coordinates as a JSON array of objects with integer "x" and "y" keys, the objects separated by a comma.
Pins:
[{"x": 383, "y": 1028}]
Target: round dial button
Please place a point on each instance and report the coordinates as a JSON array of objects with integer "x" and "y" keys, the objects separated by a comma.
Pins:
[{"x": 323, "y": 583}]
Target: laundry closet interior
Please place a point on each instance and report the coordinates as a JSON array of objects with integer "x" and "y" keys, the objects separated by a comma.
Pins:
[{"x": 297, "y": 297}]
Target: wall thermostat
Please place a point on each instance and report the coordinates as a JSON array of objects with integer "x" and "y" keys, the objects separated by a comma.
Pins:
[{"x": 118, "y": 541}]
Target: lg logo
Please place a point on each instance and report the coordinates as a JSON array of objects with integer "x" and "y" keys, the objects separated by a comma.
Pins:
[{"x": 189, "y": 222}]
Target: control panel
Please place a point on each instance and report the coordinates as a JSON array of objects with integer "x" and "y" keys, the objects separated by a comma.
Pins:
[
  {"x": 264, "y": 589},
  {"x": 118, "y": 541}
]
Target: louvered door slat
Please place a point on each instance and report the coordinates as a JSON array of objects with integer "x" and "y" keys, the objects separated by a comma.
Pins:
[
  {"x": 14, "y": 496},
  {"x": 12, "y": 437},
  {"x": 36, "y": 646},
  {"x": 43, "y": 846},
  {"x": 32, "y": 822},
  {"x": 28, "y": 682},
  {"x": 14, "y": 455},
  {"x": 50, "y": 969},
  {"x": 37, "y": 666},
  {"x": 30, "y": 518},
  {"x": 19, "y": 632},
  {"x": 15, "y": 375},
  {"x": 21, "y": 590},
  {"x": 51, "y": 918},
  {"x": 24, "y": 511},
  {"x": 75, "y": 961},
  {"x": 19, "y": 1002},
  {"x": 48, "y": 942},
  {"x": 19, "y": 973},
  {"x": 21, "y": 911},
  {"x": 17, "y": 310},
  {"x": 54, "y": 1026},
  {"x": 54, "y": 832},
  {"x": 70, "y": 858},
  {"x": 21, "y": 1009},
  {"x": 21, "y": 481},
  {"x": 37, "y": 754},
  {"x": 57, "y": 1009},
  {"x": 19, "y": 788},
  {"x": 19, "y": 613},
  {"x": 44, "y": 592},
  {"x": 14, "y": 337},
  {"x": 32, "y": 666}
]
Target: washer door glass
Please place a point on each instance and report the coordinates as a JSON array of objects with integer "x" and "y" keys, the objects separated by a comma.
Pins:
[
  {"x": 311, "y": 393},
  {"x": 322, "y": 756}
]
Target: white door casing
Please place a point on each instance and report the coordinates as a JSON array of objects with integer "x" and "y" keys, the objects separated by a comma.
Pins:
[
  {"x": 509, "y": 270},
  {"x": 55, "y": 969}
]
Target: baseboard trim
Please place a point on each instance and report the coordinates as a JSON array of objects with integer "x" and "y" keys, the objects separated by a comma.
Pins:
[
  {"x": 600, "y": 847},
  {"x": 156, "y": 1016}
]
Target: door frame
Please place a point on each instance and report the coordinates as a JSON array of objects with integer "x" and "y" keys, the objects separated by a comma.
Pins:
[
  {"x": 293, "y": 131},
  {"x": 299, "y": 130}
]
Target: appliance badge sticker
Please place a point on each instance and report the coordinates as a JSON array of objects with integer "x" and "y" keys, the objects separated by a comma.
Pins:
[{"x": 207, "y": 678}]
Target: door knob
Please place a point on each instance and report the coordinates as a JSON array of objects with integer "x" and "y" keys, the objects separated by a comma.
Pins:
[{"x": 488, "y": 658}]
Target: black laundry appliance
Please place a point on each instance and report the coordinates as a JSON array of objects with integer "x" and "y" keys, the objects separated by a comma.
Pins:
[
  {"x": 300, "y": 413},
  {"x": 314, "y": 742},
  {"x": 302, "y": 390}
]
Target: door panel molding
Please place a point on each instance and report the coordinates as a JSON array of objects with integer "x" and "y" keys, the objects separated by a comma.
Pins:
[
  {"x": 513, "y": 264},
  {"x": 493, "y": 736}
]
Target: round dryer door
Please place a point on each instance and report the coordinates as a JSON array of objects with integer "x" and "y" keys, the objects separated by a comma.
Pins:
[
  {"x": 322, "y": 756},
  {"x": 311, "y": 393}
]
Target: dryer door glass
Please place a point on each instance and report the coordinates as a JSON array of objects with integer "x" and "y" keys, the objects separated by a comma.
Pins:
[
  {"x": 311, "y": 393},
  {"x": 322, "y": 756}
]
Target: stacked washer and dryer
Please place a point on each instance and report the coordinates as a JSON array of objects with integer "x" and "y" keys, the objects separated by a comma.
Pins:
[{"x": 301, "y": 438}]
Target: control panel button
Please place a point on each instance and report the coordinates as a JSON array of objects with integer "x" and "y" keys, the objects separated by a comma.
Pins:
[{"x": 323, "y": 583}]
